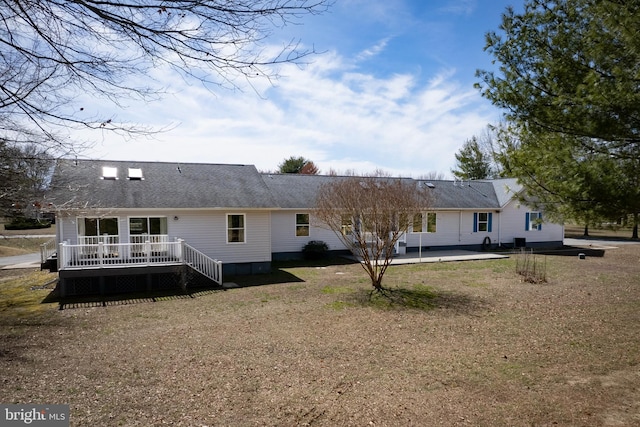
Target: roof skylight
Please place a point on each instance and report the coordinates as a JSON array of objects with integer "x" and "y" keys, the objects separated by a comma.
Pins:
[
  {"x": 109, "y": 172},
  {"x": 135, "y": 174}
]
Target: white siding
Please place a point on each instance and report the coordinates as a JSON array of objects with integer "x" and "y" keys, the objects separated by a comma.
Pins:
[
  {"x": 456, "y": 228},
  {"x": 67, "y": 229},
  {"x": 513, "y": 225},
  {"x": 453, "y": 228},
  {"x": 284, "y": 239},
  {"x": 207, "y": 232}
]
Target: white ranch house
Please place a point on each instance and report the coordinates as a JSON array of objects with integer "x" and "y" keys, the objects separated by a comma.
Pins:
[{"x": 125, "y": 225}]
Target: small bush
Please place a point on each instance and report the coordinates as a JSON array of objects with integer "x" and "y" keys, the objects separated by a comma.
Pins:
[
  {"x": 315, "y": 249},
  {"x": 26, "y": 224}
]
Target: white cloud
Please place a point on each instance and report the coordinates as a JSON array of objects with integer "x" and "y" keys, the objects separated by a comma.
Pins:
[
  {"x": 329, "y": 112},
  {"x": 460, "y": 7},
  {"x": 373, "y": 51}
]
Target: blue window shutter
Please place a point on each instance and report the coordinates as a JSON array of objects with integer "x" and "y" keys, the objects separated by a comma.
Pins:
[
  {"x": 526, "y": 221},
  {"x": 489, "y": 217},
  {"x": 475, "y": 222}
]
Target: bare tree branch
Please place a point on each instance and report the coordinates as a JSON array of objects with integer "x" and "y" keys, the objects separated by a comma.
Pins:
[{"x": 54, "y": 52}]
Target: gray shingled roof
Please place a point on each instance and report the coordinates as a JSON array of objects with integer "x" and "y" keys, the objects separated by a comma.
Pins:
[
  {"x": 463, "y": 195},
  {"x": 298, "y": 191},
  {"x": 295, "y": 191},
  {"x": 198, "y": 185},
  {"x": 165, "y": 185}
]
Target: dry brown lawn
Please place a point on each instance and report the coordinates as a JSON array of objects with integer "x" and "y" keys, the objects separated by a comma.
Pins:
[
  {"x": 17, "y": 242},
  {"x": 474, "y": 345}
]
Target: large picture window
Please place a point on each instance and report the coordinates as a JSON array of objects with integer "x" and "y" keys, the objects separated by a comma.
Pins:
[
  {"x": 94, "y": 231},
  {"x": 98, "y": 226},
  {"x": 150, "y": 225},
  {"x": 302, "y": 225},
  {"x": 235, "y": 228}
]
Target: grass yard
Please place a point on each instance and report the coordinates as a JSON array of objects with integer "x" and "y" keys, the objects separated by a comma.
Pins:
[{"x": 474, "y": 345}]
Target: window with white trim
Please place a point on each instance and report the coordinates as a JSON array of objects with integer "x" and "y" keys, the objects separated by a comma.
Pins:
[
  {"x": 416, "y": 225},
  {"x": 93, "y": 231},
  {"x": 148, "y": 225},
  {"x": 533, "y": 221},
  {"x": 235, "y": 228},
  {"x": 424, "y": 222},
  {"x": 431, "y": 222},
  {"x": 98, "y": 226},
  {"x": 302, "y": 225},
  {"x": 347, "y": 225},
  {"x": 482, "y": 222}
]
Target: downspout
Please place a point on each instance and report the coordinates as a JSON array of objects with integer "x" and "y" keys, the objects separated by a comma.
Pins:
[
  {"x": 59, "y": 230},
  {"x": 459, "y": 226},
  {"x": 59, "y": 251},
  {"x": 499, "y": 228}
]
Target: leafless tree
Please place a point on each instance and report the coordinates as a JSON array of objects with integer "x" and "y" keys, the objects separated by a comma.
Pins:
[
  {"x": 51, "y": 49},
  {"x": 55, "y": 52},
  {"x": 369, "y": 214}
]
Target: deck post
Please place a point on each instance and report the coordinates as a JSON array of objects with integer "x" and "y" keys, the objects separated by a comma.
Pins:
[
  {"x": 147, "y": 249},
  {"x": 180, "y": 250},
  {"x": 61, "y": 259},
  {"x": 184, "y": 278},
  {"x": 100, "y": 253}
]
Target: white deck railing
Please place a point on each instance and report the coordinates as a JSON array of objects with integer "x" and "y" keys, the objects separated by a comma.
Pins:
[
  {"x": 138, "y": 253},
  {"x": 104, "y": 255},
  {"x": 153, "y": 238},
  {"x": 94, "y": 240},
  {"x": 158, "y": 241},
  {"x": 203, "y": 264},
  {"x": 47, "y": 250}
]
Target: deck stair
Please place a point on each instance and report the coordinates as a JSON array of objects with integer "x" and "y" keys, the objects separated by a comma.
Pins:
[{"x": 203, "y": 264}]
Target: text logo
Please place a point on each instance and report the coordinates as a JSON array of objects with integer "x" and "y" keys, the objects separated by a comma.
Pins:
[{"x": 34, "y": 415}]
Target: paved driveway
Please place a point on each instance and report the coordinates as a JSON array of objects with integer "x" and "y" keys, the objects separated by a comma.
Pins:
[
  {"x": 20, "y": 261},
  {"x": 599, "y": 243}
]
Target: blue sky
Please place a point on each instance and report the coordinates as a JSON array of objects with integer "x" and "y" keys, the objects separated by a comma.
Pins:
[{"x": 392, "y": 90}]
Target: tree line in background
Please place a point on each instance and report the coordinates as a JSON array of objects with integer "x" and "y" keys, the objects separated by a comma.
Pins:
[{"x": 569, "y": 80}]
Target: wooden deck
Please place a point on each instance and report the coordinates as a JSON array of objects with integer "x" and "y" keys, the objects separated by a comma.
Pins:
[{"x": 107, "y": 258}]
